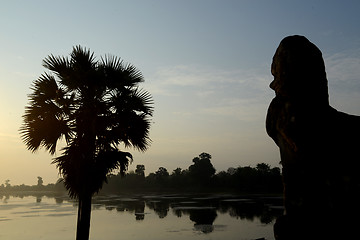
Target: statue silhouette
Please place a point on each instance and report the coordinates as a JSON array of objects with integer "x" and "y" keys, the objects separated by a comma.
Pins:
[{"x": 319, "y": 147}]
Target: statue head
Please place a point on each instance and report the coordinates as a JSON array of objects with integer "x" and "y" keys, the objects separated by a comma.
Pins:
[{"x": 299, "y": 71}]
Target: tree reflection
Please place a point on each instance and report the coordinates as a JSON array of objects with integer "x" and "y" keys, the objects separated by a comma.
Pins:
[
  {"x": 59, "y": 200},
  {"x": 204, "y": 219},
  {"x": 201, "y": 211},
  {"x": 135, "y": 206},
  {"x": 6, "y": 198},
  {"x": 139, "y": 210},
  {"x": 161, "y": 208}
]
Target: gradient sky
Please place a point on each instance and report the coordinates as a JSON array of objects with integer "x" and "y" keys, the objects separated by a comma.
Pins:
[{"x": 206, "y": 63}]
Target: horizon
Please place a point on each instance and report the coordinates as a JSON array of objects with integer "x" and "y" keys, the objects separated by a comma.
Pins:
[
  {"x": 206, "y": 64},
  {"x": 132, "y": 171}
]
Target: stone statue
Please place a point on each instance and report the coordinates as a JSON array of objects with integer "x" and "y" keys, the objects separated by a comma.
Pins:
[{"x": 319, "y": 148}]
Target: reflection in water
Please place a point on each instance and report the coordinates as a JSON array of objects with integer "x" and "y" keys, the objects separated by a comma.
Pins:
[
  {"x": 160, "y": 207},
  {"x": 204, "y": 219},
  {"x": 6, "y": 198},
  {"x": 224, "y": 217},
  {"x": 202, "y": 211},
  {"x": 122, "y": 205},
  {"x": 59, "y": 200}
]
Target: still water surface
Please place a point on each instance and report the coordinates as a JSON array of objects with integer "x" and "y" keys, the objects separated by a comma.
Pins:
[{"x": 150, "y": 217}]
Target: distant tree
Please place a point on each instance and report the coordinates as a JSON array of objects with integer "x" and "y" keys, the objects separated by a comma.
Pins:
[
  {"x": 162, "y": 172},
  {"x": 59, "y": 185},
  {"x": 162, "y": 177},
  {"x": 202, "y": 170},
  {"x": 275, "y": 171},
  {"x": 7, "y": 183},
  {"x": 263, "y": 167},
  {"x": 179, "y": 178},
  {"x": 246, "y": 177},
  {"x": 140, "y": 170},
  {"x": 231, "y": 170},
  {"x": 176, "y": 172},
  {"x": 95, "y": 105},
  {"x": 151, "y": 179},
  {"x": 40, "y": 182}
]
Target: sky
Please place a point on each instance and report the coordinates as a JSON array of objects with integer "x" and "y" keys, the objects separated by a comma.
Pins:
[{"x": 206, "y": 64}]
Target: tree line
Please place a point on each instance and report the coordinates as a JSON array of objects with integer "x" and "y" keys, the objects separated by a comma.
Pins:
[
  {"x": 200, "y": 176},
  {"x": 57, "y": 187}
]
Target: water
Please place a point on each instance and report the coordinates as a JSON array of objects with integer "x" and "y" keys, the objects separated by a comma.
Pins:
[{"x": 150, "y": 217}]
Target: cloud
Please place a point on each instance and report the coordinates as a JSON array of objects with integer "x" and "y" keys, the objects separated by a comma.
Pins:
[
  {"x": 343, "y": 73},
  {"x": 240, "y": 109},
  {"x": 204, "y": 93},
  {"x": 343, "y": 66},
  {"x": 201, "y": 91},
  {"x": 206, "y": 81},
  {"x": 6, "y": 137},
  {"x": 196, "y": 75}
]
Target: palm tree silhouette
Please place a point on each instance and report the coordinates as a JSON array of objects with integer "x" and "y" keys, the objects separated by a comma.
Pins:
[{"x": 94, "y": 105}]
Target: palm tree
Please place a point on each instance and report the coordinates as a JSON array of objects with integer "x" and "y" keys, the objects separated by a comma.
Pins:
[{"x": 95, "y": 106}]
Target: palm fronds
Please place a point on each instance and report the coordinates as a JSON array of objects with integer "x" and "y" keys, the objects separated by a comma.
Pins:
[{"x": 97, "y": 106}]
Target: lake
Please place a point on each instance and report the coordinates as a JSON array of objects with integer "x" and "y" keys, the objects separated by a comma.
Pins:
[{"x": 172, "y": 216}]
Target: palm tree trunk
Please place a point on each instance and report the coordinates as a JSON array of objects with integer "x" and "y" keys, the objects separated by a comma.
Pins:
[{"x": 83, "y": 221}]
